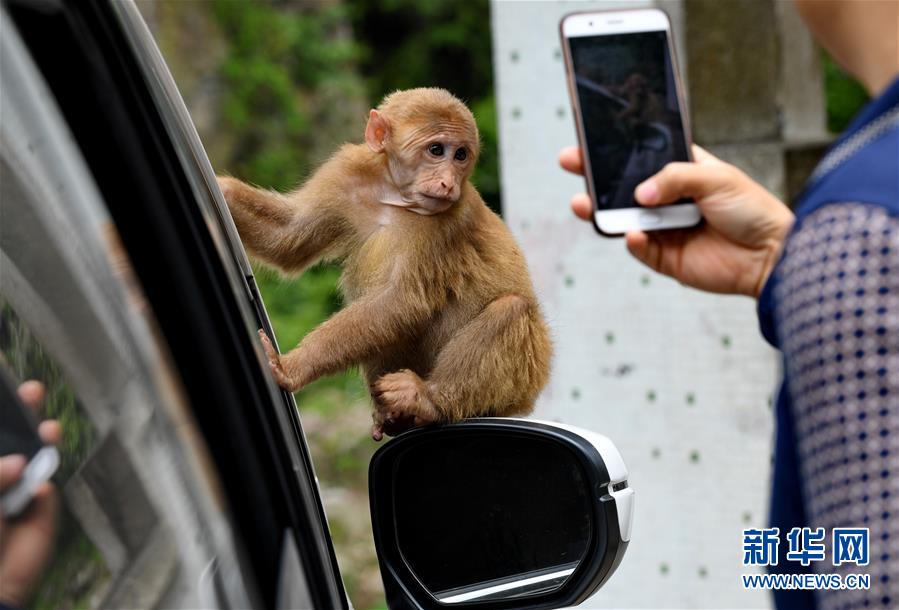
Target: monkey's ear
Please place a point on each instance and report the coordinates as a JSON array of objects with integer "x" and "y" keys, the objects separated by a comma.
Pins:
[{"x": 376, "y": 131}]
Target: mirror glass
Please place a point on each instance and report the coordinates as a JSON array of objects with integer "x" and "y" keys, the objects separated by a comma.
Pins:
[{"x": 484, "y": 517}]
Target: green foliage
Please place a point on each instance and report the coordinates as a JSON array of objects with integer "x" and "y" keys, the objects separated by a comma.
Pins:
[
  {"x": 277, "y": 59},
  {"x": 844, "y": 95}
]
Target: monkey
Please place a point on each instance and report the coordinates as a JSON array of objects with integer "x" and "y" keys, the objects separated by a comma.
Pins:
[{"x": 440, "y": 313}]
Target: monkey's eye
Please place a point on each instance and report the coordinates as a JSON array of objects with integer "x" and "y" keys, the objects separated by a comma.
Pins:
[
  {"x": 461, "y": 154},
  {"x": 436, "y": 149}
]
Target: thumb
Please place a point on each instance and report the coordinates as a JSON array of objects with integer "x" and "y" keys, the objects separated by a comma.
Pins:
[{"x": 680, "y": 180}]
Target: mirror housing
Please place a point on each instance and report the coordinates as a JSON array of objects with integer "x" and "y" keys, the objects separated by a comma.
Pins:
[{"x": 498, "y": 513}]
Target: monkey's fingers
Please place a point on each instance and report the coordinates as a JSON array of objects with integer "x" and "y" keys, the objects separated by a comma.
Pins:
[
  {"x": 379, "y": 427},
  {"x": 270, "y": 351},
  {"x": 377, "y": 432},
  {"x": 274, "y": 363}
]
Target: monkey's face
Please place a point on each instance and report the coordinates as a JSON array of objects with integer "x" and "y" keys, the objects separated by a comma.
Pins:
[{"x": 432, "y": 163}]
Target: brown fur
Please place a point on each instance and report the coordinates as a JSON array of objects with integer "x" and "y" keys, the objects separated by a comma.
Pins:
[{"x": 441, "y": 315}]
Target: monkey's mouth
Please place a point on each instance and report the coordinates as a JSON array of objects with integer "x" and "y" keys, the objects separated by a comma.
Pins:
[
  {"x": 437, "y": 197},
  {"x": 432, "y": 204},
  {"x": 441, "y": 198}
]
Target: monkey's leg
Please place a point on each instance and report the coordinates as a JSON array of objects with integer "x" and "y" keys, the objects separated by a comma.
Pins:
[
  {"x": 289, "y": 233},
  {"x": 495, "y": 365}
]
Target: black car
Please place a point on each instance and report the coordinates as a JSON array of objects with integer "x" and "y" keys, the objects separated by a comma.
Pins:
[{"x": 185, "y": 475}]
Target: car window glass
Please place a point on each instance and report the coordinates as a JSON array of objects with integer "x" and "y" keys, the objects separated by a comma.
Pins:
[{"x": 143, "y": 523}]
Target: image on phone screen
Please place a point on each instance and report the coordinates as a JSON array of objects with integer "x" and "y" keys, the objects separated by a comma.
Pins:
[{"x": 631, "y": 116}]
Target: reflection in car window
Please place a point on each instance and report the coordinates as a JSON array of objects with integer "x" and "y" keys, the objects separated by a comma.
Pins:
[
  {"x": 143, "y": 522},
  {"x": 79, "y": 571}
]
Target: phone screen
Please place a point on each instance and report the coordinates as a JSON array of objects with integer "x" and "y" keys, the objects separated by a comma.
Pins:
[
  {"x": 629, "y": 104},
  {"x": 18, "y": 431}
]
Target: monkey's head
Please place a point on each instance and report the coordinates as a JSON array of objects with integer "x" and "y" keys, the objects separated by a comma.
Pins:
[{"x": 431, "y": 142}]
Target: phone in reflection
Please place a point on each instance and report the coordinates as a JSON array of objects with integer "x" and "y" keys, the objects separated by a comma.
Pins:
[
  {"x": 18, "y": 435},
  {"x": 628, "y": 104}
]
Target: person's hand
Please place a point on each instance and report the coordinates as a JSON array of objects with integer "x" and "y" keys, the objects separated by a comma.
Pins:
[
  {"x": 25, "y": 541},
  {"x": 732, "y": 252}
]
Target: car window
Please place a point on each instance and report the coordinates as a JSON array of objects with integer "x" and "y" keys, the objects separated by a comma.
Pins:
[{"x": 143, "y": 522}]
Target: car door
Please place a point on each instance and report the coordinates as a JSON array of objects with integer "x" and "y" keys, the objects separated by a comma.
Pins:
[{"x": 149, "y": 227}]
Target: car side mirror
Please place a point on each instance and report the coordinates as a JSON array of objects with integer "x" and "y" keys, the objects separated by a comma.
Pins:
[{"x": 498, "y": 513}]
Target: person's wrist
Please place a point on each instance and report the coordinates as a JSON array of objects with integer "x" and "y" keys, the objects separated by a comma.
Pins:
[{"x": 773, "y": 246}]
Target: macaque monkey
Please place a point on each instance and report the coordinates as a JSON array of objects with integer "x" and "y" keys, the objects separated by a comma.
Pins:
[{"x": 440, "y": 312}]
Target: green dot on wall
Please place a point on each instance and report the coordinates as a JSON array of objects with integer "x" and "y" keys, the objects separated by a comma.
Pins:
[
  {"x": 747, "y": 517},
  {"x": 651, "y": 395},
  {"x": 557, "y": 53},
  {"x": 663, "y": 569},
  {"x": 569, "y": 281},
  {"x": 691, "y": 398},
  {"x": 725, "y": 341},
  {"x": 656, "y": 453},
  {"x": 516, "y": 113},
  {"x": 644, "y": 280},
  {"x": 694, "y": 456},
  {"x": 610, "y": 338},
  {"x": 576, "y": 393},
  {"x": 514, "y": 56},
  {"x": 560, "y": 112},
  {"x": 703, "y": 572}
]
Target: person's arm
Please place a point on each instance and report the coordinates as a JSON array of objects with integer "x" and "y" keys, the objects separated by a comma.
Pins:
[
  {"x": 735, "y": 247},
  {"x": 837, "y": 316}
]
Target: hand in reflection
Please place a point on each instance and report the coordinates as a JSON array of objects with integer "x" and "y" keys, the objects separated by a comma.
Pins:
[{"x": 26, "y": 541}]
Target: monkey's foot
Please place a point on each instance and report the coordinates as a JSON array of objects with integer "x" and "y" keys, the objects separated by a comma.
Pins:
[
  {"x": 274, "y": 363},
  {"x": 402, "y": 401}
]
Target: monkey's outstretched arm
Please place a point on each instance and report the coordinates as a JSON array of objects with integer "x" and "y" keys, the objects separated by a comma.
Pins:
[
  {"x": 288, "y": 231},
  {"x": 349, "y": 337}
]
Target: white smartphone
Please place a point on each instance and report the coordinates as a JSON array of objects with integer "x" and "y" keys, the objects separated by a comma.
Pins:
[
  {"x": 18, "y": 434},
  {"x": 628, "y": 104}
]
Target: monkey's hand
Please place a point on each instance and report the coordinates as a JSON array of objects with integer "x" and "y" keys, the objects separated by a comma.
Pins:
[
  {"x": 274, "y": 363},
  {"x": 402, "y": 401}
]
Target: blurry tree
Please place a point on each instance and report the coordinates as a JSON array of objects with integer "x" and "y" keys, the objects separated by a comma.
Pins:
[{"x": 291, "y": 90}]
